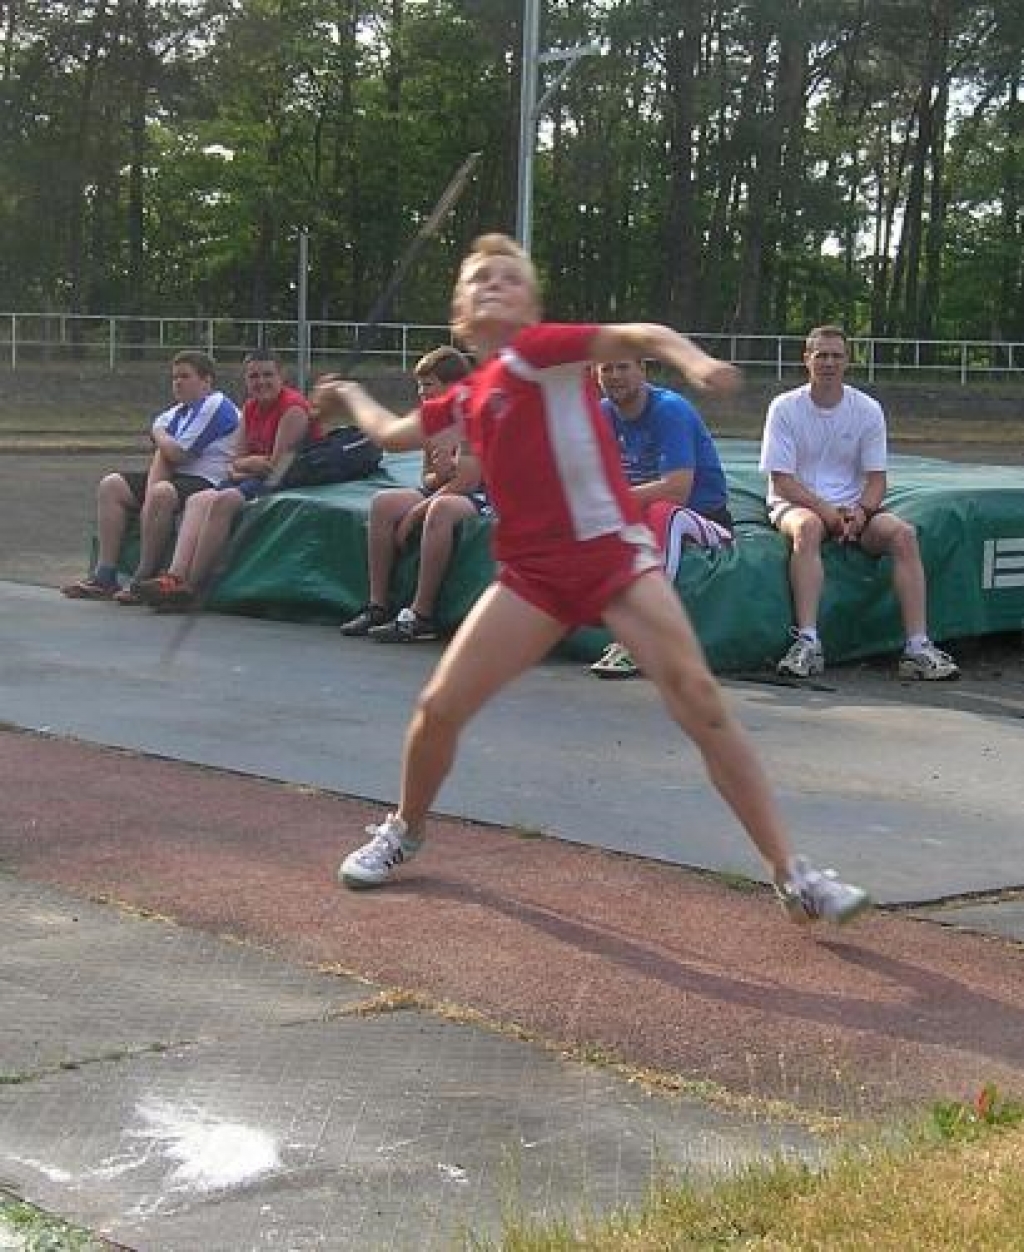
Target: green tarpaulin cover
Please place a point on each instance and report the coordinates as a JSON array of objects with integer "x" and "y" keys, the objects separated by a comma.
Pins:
[{"x": 303, "y": 556}]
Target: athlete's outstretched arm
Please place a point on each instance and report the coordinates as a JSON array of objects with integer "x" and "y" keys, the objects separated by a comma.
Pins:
[
  {"x": 642, "y": 339},
  {"x": 396, "y": 434}
]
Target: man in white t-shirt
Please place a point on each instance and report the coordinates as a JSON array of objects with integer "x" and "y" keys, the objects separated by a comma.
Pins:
[{"x": 824, "y": 451}]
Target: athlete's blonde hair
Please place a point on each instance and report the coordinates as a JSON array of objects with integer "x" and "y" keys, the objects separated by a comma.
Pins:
[{"x": 491, "y": 245}]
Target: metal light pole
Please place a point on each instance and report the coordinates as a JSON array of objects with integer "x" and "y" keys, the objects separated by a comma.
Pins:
[
  {"x": 527, "y": 122},
  {"x": 530, "y": 109},
  {"x": 303, "y": 309}
]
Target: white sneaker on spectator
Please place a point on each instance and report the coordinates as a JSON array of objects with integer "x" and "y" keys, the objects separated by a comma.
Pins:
[
  {"x": 804, "y": 658},
  {"x": 371, "y": 865},
  {"x": 928, "y": 663},
  {"x": 812, "y": 895}
]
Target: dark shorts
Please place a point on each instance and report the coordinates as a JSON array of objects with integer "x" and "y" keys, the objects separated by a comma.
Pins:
[
  {"x": 184, "y": 484},
  {"x": 249, "y": 488},
  {"x": 478, "y": 499}
]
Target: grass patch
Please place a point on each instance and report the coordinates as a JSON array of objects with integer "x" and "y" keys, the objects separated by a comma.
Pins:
[
  {"x": 39, "y": 1232},
  {"x": 930, "y": 1190}
]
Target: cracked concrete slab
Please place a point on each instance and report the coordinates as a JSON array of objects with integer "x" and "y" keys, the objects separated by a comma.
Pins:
[{"x": 284, "y": 1126}]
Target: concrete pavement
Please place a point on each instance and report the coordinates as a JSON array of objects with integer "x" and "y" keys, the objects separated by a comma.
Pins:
[
  {"x": 177, "y": 1089},
  {"x": 920, "y": 804}
]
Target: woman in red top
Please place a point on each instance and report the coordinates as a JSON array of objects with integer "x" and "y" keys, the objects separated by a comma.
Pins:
[
  {"x": 275, "y": 421},
  {"x": 572, "y": 548}
]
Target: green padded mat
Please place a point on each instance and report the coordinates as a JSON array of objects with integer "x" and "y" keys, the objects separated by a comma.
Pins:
[{"x": 303, "y": 556}]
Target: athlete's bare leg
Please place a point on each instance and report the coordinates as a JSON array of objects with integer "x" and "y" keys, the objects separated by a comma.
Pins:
[
  {"x": 502, "y": 637},
  {"x": 649, "y": 620}
]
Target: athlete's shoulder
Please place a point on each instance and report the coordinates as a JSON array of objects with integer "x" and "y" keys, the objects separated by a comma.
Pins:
[{"x": 545, "y": 344}]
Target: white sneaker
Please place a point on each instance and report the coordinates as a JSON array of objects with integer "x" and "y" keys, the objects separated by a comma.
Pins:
[
  {"x": 813, "y": 894},
  {"x": 615, "y": 662},
  {"x": 371, "y": 865},
  {"x": 804, "y": 658},
  {"x": 928, "y": 663}
]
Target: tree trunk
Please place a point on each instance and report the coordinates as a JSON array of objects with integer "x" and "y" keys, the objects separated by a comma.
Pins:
[
  {"x": 677, "y": 278},
  {"x": 140, "y": 62},
  {"x": 1011, "y": 278},
  {"x": 759, "y": 220},
  {"x": 10, "y": 25},
  {"x": 79, "y": 157}
]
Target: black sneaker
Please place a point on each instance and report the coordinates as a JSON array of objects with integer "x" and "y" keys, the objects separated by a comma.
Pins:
[
  {"x": 407, "y": 627},
  {"x": 369, "y": 615}
]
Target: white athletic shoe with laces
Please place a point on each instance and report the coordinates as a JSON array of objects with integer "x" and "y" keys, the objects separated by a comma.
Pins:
[
  {"x": 928, "y": 663},
  {"x": 804, "y": 658},
  {"x": 389, "y": 847},
  {"x": 812, "y": 895}
]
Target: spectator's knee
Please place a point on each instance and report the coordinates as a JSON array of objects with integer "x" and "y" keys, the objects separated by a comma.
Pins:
[
  {"x": 162, "y": 495},
  {"x": 200, "y": 502},
  {"x": 807, "y": 534},
  {"x": 225, "y": 504},
  {"x": 379, "y": 504},
  {"x": 444, "y": 512},
  {"x": 904, "y": 545},
  {"x": 112, "y": 486}
]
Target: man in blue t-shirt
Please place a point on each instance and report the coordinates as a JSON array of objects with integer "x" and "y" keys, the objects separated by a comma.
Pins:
[{"x": 675, "y": 471}]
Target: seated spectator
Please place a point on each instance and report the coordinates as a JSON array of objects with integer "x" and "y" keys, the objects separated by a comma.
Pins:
[
  {"x": 674, "y": 470},
  {"x": 193, "y": 443},
  {"x": 275, "y": 421},
  {"x": 435, "y": 508},
  {"x": 824, "y": 451}
]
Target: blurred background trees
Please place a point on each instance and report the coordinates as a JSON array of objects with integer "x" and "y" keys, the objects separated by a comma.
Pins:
[{"x": 744, "y": 167}]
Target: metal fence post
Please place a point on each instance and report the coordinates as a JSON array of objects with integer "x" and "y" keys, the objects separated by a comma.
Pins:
[
  {"x": 112, "y": 354},
  {"x": 14, "y": 341}
]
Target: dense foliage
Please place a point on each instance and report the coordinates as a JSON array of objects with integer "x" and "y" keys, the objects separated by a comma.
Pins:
[{"x": 744, "y": 166}]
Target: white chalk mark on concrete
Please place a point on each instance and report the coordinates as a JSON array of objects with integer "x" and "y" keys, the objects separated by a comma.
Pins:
[{"x": 208, "y": 1154}]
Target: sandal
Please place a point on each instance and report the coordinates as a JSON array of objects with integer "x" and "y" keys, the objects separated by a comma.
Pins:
[{"x": 165, "y": 590}]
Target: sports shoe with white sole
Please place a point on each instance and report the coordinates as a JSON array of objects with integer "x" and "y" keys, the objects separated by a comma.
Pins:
[
  {"x": 372, "y": 864},
  {"x": 928, "y": 663},
  {"x": 615, "y": 662},
  {"x": 805, "y": 658},
  {"x": 812, "y": 895},
  {"x": 406, "y": 626},
  {"x": 369, "y": 615}
]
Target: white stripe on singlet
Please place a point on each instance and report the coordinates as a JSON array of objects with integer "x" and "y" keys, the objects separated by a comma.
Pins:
[{"x": 567, "y": 419}]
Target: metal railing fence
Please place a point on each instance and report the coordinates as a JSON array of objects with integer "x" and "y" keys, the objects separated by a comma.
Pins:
[{"x": 112, "y": 341}]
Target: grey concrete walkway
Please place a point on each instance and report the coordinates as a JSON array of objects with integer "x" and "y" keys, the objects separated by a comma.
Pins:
[
  {"x": 182, "y": 1092},
  {"x": 919, "y": 804},
  {"x": 177, "y": 1092}
]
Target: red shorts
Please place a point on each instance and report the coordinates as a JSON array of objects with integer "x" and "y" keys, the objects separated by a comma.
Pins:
[{"x": 574, "y": 582}]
